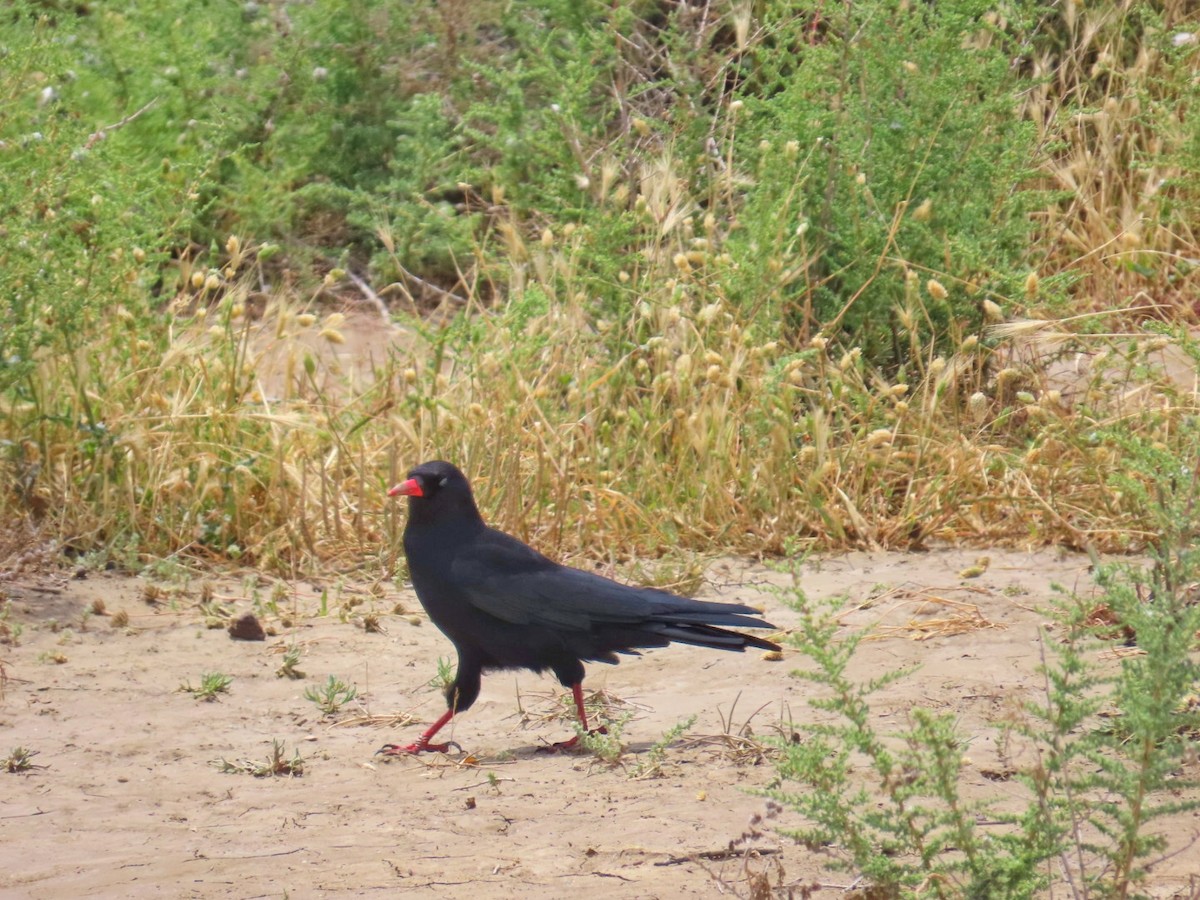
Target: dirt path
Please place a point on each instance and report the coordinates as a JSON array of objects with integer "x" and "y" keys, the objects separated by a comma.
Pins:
[{"x": 128, "y": 804}]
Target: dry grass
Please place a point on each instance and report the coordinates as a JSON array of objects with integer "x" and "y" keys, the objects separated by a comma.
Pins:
[{"x": 251, "y": 439}]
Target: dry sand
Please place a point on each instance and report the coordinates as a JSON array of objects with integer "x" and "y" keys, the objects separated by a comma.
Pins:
[{"x": 128, "y": 804}]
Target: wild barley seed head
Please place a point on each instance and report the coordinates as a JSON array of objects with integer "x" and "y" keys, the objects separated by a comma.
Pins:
[{"x": 978, "y": 405}]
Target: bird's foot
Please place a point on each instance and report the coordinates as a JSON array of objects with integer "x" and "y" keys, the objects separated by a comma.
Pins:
[
  {"x": 559, "y": 746},
  {"x": 414, "y": 749}
]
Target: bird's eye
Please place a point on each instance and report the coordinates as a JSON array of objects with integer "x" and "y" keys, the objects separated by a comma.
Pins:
[{"x": 442, "y": 483}]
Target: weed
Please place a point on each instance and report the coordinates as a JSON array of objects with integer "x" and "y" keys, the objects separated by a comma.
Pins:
[
  {"x": 288, "y": 669},
  {"x": 211, "y": 684},
  {"x": 1107, "y": 743},
  {"x": 650, "y": 766},
  {"x": 604, "y": 741},
  {"x": 331, "y": 696},
  {"x": 446, "y": 668},
  {"x": 21, "y": 760},
  {"x": 276, "y": 765}
]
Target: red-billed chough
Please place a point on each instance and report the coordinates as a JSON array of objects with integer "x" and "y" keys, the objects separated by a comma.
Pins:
[{"x": 505, "y": 606}]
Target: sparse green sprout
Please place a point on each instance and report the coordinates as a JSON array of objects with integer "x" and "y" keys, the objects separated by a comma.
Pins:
[
  {"x": 650, "y": 766},
  {"x": 211, "y": 684},
  {"x": 332, "y": 695},
  {"x": 291, "y": 658},
  {"x": 276, "y": 765},
  {"x": 446, "y": 668},
  {"x": 20, "y": 760}
]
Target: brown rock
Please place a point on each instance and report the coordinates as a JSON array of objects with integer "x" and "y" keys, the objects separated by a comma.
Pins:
[{"x": 247, "y": 628}]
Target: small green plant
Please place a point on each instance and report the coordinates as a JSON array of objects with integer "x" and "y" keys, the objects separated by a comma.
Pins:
[
  {"x": 291, "y": 658},
  {"x": 332, "y": 695},
  {"x": 446, "y": 668},
  {"x": 276, "y": 765},
  {"x": 20, "y": 760},
  {"x": 1107, "y": 742},
  {"x": 604, "y": 741},
  {"x": 211, "y": 684},
  {"x": 650, "y": 766}
]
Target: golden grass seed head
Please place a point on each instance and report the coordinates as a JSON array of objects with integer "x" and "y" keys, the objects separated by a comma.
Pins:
[
  {"x": 713, "y": 375},
  {"x": 898, "y": 390},
  {"x": 911, "y": 67},
  {"x": 901, "y": 407},
  {"x": 937, "y": 367},
  {"x": 233, "y": 245},
  {"x": 306, "y": 320},
  {"x": 139, "y": 255},
  {"x": 681, "y": 263},
  {"x": 1025, "y": 397},
  {"x": 764, "y": 146},
  {"x": 791, "y": 149},
  {"x": 197, "y": 279},
  {"x": 641, "y": 127},
  {"x": 992, "y": 311},
  {"x": 924, "y": 211},
  {"x": 709, "y": 313},
  {"x": 623, "y": 277},
  {"x": 547, "y": 238},
  {"x": 332, "y": 335},
  {"x": 819, "y": 342},
  {"x": 710, "y": 223},
  {"x": 880, "y": 437},
  {"x": 410, "y": 375},
  {"x": 936, "y": 289},
  {"x": 1007, "y": 374},
  {"x": 1031, "y": 285},
  {"x": 978, "y": 405},
  {"x": 713, "y": 358},
  {"x": 970, "y": 342},
  {"x": 683, "y": 367}
]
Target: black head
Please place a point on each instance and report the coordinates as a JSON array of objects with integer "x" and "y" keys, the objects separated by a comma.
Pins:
[{"x": 437, "y": 492}]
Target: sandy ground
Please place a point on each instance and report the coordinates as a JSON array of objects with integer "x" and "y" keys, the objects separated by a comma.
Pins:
[{"x": 127, "y": 802}]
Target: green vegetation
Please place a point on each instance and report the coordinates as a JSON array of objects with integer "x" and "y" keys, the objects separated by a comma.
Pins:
[
  {"x": 331, "y": 696},
  {"x": 1105, "y": 747},
  {"x": 275, "y": 765},
  {"x": 211, "y": 685}
]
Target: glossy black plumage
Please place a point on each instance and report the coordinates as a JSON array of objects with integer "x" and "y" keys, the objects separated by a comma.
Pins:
[{"x": 504, "y": 605}]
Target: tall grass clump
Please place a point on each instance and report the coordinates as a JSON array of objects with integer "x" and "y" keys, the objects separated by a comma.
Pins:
[{"x": 1105, "y": 747}]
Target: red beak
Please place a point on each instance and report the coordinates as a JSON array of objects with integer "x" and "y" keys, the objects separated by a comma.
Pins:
[{"x": 410, "y": 488}]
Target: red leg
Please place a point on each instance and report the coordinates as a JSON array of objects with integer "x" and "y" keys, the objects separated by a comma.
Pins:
[
  {"x": 422, "y": 745},
  {"x": 577, "y": 690}
]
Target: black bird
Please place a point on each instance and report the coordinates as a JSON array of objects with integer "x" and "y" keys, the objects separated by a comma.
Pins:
[{"x": 505, "y": 606}]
